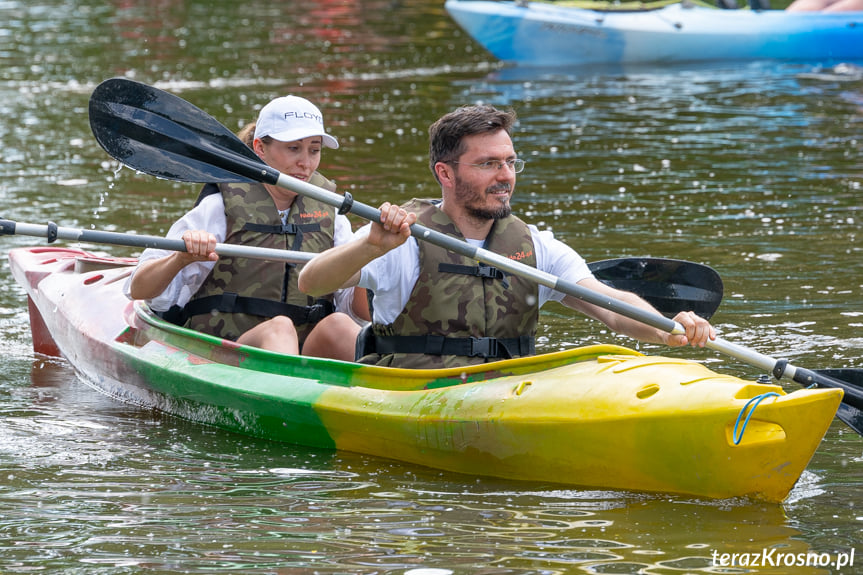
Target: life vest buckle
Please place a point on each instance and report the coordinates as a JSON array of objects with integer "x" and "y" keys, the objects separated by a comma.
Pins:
[
  {"x": 319, "y": 310},
  {"x": 483, "y": 347}
]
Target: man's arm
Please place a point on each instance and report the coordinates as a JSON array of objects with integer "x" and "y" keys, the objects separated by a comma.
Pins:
[
  {"x": 339, "y": 267},
  {"x": 698, "y": 329}
]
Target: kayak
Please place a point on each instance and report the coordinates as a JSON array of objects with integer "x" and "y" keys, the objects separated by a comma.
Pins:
[
  {"x": 566, "y": 33},
  {"x": 601, "y": 416}
]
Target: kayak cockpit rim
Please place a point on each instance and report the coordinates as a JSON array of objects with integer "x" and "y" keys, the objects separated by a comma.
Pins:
[{"x": 257, "y": 359}]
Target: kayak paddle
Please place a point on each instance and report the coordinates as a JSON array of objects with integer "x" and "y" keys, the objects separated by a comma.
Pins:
[
  {"x": 671, "y": 286},
  {"x": 158, "y": 133},
  {"x": 53, "y": 232}
]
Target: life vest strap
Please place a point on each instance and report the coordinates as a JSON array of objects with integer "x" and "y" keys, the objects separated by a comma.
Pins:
[
  {"x": 232, "y": 303},
  {"x": 482, "y": 270},
  {"x": 485, "y": 347},
  {"x": 282, "y": 229}
]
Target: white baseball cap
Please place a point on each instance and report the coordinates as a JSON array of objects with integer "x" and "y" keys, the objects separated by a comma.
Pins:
[{"x": 291, "y": 118}]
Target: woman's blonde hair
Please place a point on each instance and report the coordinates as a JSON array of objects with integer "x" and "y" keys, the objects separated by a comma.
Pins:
[{"x": 247, "y": 134}]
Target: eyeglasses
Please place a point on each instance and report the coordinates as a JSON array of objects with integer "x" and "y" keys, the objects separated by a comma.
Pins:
[{"x": 516, "y": 165}]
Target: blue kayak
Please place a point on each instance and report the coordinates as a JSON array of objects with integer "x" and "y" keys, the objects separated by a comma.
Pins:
[{"x": 560, "y": 34}]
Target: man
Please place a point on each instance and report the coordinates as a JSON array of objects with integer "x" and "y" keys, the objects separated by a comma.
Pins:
[{"x": 433, "y": 308}]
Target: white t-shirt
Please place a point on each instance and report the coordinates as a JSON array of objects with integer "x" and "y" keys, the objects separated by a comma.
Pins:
[
  {"x": 210, "y": 215},
  {"x": 392, "y": 276}
]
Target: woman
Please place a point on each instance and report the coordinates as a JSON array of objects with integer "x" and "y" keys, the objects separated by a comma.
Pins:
[{"x": 256, "y": 302}]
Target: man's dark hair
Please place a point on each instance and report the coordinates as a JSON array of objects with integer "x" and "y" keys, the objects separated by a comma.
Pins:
[{"x": 447, "y": 134}]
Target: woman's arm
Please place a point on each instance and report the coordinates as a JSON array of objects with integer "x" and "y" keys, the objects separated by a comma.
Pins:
[{"x": 153, "y": 276}]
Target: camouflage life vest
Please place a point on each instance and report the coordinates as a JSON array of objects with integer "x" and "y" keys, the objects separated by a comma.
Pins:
[
  {"x": 461, "y": 312},
  {"x": 241, "y": 293}
]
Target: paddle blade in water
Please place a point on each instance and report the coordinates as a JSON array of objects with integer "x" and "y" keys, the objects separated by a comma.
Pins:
[
  {"x": 163, "y": 135},
  {"x": 671, "y": 286}
]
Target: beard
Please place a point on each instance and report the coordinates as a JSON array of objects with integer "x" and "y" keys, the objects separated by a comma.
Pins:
[{"x": 474, "y": 202}]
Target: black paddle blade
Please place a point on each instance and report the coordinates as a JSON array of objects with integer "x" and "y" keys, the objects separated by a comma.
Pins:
[
  {"x": 851, "y": 416},
  {"x": 850, "y": 380},
  {"x": 163, "y": 135},
  {"x": 671, "y": 286}
]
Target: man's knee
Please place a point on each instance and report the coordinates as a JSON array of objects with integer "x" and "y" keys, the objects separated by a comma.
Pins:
[
  {"x": 337, "y": 327},
  {"x": 345, "y": 325}
]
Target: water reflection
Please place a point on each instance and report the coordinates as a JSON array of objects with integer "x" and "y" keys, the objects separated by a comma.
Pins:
[{"x": 181, "y": 508}]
